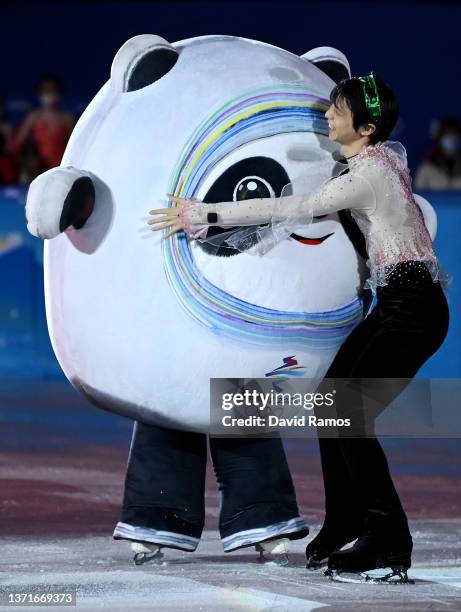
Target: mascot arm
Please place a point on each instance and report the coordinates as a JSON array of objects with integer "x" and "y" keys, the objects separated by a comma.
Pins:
[{"x": 58, "y": 199}]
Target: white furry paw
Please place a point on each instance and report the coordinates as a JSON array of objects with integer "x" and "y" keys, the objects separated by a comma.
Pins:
[
  {"x": 429, "y": 215},
  {"x": 57, "y": 199}
]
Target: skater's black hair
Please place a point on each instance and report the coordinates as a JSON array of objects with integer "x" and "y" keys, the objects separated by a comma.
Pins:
[{"x": 351, "y": 91}]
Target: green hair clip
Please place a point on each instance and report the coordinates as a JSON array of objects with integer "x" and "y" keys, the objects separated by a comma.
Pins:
[{"x": 370, "y": 92}]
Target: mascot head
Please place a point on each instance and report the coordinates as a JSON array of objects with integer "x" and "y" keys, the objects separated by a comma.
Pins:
[{"x": 140, "y": 324}]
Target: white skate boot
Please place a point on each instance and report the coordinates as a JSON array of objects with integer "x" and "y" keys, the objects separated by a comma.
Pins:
[
  {"x": 274, "y": 550},
  {"x": 144, "y": 552}
]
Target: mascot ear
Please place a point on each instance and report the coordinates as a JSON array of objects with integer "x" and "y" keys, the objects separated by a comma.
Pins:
[
  {"x": 141, "y": 61},
  {"x": 331, "y": 61}
]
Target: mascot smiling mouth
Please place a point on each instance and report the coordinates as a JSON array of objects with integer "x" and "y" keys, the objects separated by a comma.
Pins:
[
  {"x": 219, "y": 247},
  {"x": 311, "y": 241}
]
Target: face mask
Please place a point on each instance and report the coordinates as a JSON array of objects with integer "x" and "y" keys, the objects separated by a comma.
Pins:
[
  {"x": 48, "y": 99},
  {"x": 449, "y": 144}
]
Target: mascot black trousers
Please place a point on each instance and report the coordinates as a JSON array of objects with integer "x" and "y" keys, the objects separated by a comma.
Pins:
[
  {"x": 164, "y": 498},
  {"x": 408, "y": 324}
]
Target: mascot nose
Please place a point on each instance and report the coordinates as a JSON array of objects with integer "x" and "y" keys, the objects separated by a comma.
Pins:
[{"x": 141, "y": 61}]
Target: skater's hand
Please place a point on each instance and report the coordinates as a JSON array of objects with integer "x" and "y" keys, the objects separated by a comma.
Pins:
[{"x": 174, "y": 217}]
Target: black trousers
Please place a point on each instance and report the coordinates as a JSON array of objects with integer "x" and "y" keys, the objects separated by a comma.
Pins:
[
  {"x": 407, "y": 326},
  {"x": 164, "y": 497}
]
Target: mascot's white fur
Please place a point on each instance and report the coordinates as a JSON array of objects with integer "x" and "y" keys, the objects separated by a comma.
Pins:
[{"x": 140, "y": 325}]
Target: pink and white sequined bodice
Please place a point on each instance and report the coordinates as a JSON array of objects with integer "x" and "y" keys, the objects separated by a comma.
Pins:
[{"x": 395, "y": 230}]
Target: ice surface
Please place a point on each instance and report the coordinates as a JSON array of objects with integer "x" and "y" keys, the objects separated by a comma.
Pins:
[{"x": 105, "y": 576}]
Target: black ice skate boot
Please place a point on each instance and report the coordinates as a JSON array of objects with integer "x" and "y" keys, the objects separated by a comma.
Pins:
[
  {"x": 369, "y": 553},
  {"x": 328, "y": 540}
]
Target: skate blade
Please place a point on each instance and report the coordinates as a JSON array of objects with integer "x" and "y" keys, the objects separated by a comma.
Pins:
[
  {"x": 154, "y": 558},
  {"x": 395, "y": 576},
  {"x": 281, "y": 560}
]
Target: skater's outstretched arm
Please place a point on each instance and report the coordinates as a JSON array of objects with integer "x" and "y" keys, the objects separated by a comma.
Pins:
[{"x": 348, "y": 191}]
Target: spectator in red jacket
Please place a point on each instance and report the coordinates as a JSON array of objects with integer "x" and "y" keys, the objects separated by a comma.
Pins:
[{"x": 42, "y": 137}]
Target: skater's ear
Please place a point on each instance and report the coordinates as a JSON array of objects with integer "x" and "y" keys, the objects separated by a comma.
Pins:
[
  {"x": 330, "y": 61},
  {"x": 141, "y": 61}
]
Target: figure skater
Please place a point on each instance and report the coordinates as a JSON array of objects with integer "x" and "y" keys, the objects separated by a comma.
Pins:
[{"x": 408, "y": 324}]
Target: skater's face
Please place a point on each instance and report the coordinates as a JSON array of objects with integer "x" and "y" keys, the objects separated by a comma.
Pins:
[{"x": 341, "y": 124}]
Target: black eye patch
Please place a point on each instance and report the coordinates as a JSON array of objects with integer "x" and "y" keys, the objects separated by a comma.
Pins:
[{"x": 254, "y": 177}]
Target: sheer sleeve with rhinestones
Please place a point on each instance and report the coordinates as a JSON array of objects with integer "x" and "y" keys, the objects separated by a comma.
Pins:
[{"x": 259, "y": 224}]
